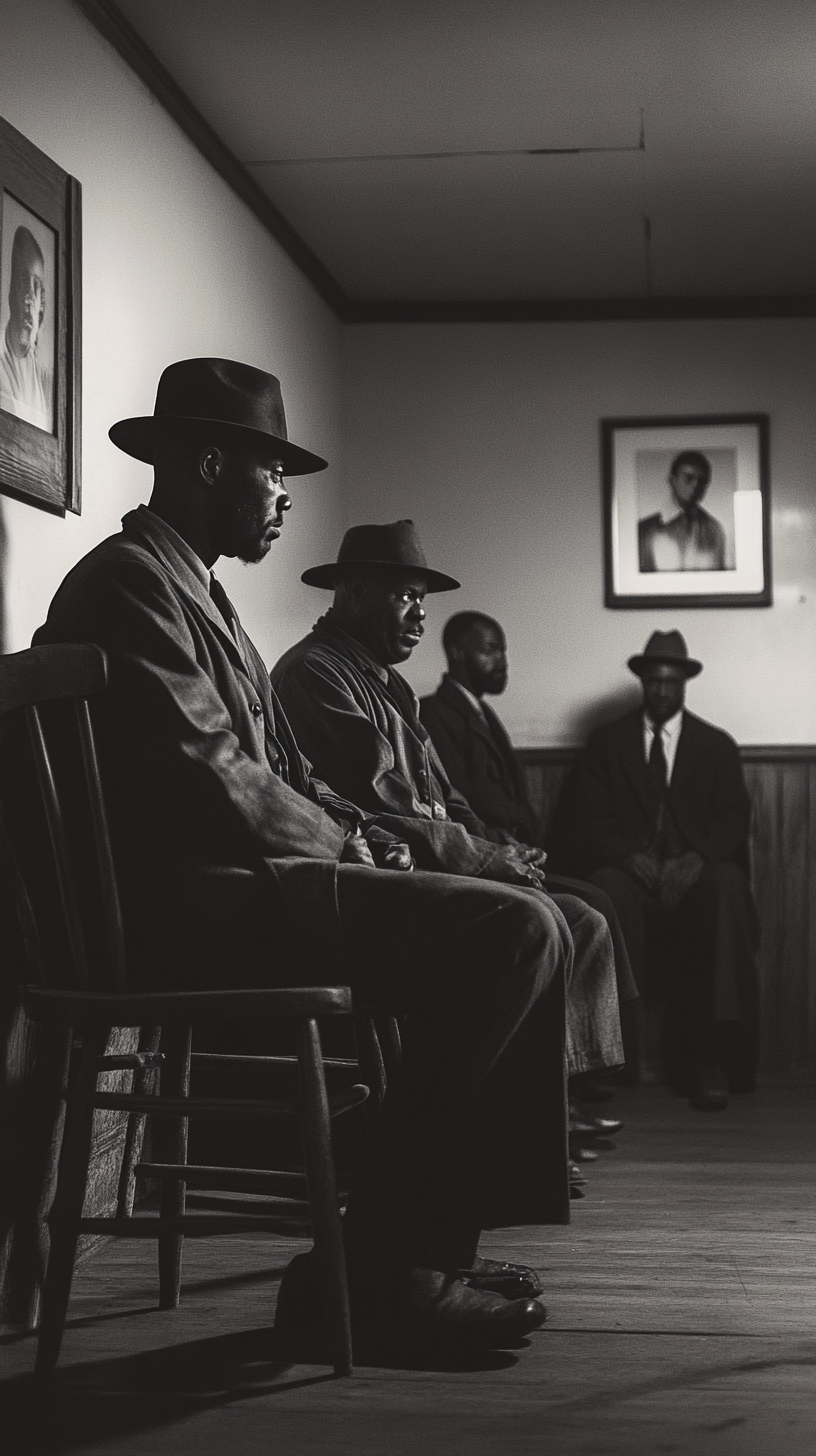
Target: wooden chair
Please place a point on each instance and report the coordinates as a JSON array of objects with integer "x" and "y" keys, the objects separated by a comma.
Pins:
[{"x": 81, "y": 987}]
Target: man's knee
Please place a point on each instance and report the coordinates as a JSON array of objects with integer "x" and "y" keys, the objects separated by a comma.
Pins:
[{"x": 588, "y": 927}]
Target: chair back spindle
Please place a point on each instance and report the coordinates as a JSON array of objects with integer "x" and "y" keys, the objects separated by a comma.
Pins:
[{"x": 32, "y": 681}]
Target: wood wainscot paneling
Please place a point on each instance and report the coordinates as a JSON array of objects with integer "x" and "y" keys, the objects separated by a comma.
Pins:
[{"x": 781, "y": 781}]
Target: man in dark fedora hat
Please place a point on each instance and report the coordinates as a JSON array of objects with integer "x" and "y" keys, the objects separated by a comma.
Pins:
[
  {"x": 357, "y": 720},
  {"x": 661, "y": 822},
  {"x": 238, "y": 867}
]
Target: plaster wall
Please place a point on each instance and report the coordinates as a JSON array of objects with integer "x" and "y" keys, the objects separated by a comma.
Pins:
[
  {"x": 173, "y": 265},
  {"x": 488, "y": 437}
]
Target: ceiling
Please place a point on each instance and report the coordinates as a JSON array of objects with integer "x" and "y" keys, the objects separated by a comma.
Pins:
[{"x": 678, "y": 140}]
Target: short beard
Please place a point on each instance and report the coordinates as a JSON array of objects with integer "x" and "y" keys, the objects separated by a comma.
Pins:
[{"x": 253, "y": 552}]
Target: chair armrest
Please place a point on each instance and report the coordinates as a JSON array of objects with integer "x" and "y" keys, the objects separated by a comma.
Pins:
[{"x": 163, "y": 1008}]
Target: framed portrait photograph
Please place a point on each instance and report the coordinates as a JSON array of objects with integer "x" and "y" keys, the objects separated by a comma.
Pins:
[
  {"x": 686, "y": 511},
  {"x": 40, "y": 327}
]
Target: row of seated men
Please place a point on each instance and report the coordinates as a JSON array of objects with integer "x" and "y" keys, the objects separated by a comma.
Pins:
[{"x": 308, "y": 832}]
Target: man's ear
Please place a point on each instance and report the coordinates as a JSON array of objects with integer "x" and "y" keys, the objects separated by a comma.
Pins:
[{"x": 211, "y": 464}]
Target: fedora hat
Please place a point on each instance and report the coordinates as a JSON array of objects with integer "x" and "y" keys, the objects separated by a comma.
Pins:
[
  {"x": 217, "y": 392},
  {"x": 396, "y": 545},
  {"x": 667, "y": 647}
]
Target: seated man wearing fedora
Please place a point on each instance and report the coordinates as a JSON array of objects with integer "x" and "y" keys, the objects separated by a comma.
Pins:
[
  {"x": 357, "y": 720},
  {"x": 661, "y": 821},
  {"x": 237, "y": 867}
]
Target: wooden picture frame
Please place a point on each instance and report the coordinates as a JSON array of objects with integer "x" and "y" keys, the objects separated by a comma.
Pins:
[
  {"x": 40, "y": 328},
  {"x": 662, "y": 547}
]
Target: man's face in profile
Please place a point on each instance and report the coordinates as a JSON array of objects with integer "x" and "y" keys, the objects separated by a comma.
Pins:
[
  {"x": 26, "y": 301},
  {"x": 485, "y": 652},
  {"x": 250, "y": 501},
  {"x": 664, "y": 690},
  {"x": 688, "y": 485}
]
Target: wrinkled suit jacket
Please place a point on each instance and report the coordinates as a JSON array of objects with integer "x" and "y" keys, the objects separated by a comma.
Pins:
[
  {"x": 358, "y": 722},
  {"x": 199, "y": 765}
]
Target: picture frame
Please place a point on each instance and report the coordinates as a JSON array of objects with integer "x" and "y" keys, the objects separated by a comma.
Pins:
[
  {"x": 662, "y": 546},
  {"x": 40, "y": 328}
]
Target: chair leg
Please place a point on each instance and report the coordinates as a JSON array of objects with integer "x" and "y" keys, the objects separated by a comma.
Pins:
[
  {"x": 372, "y": 1065},
  {"x": 66, "y": 1212},
  {"x": 143, "y": 1081},
  {"x": 170, "y": 1139},
  {"x": 326, "y": 1223}
]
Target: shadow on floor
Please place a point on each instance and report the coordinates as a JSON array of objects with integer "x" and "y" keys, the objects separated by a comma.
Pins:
[{"x": 98, "y": 1402}]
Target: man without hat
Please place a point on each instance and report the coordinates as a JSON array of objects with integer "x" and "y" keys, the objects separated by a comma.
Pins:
[
  {"x": 357, "y": 720},
  {"x": 481, "y": 763},
  {"x": 661, "y": 823},
  {"x": 238, "y": 867}
]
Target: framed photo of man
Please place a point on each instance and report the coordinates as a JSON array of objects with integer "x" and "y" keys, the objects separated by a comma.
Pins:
[
  {"x": 686, "y": 511},
  {"x": 40, "y": 327}
]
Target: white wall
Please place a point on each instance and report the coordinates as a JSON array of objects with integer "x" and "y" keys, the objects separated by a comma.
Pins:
[
  {"x": 173, "y": 265},
  {"x": 488, "y": 437}
]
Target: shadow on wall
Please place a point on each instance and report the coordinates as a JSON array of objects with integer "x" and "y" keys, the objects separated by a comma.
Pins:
[
  {"x": 3, "y": 553},
  {"x": 589, "y": 716}
]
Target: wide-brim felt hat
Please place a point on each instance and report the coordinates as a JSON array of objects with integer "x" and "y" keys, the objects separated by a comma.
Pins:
[
  {"x": 669, "y": 647},
  {"x": 217, "y": 392},
  {"x": 396, "y": 545}
]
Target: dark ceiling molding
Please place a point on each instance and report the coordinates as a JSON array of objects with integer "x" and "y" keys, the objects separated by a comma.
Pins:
[
  {"x": 585, "y": 310},
  {"x": 108, "y": 19}
]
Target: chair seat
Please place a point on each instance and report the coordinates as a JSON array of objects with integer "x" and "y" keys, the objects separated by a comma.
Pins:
[{"x": 181, "y": 1008}]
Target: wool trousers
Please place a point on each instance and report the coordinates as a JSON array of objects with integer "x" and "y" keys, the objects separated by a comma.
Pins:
[{"x": 472, "y": 1132}]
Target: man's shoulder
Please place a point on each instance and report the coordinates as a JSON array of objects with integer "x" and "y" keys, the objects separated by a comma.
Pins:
[
  {"x": 119, "y": 564},
  {"x": 298, "y": 654},
  {"x": 647, "y": 525},
  {"x": 446, "y": 702},
  {"x": 707, "y": 734},
  {"x": 617, "y": 731}
]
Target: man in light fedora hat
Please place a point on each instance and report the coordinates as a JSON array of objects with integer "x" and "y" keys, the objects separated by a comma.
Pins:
[
  {"x": 357, "y": 720},
  {"x": 238, "y": 867},
  {"x": 661, "y": 822}
]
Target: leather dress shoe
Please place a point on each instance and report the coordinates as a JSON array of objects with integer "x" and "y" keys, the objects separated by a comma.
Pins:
[
  {"x": 439, "y": 1307},
  {"x": 586, "y": 1124},
  {"x": 495, "y": 1276},
  {"x": 708, "y": 1088},
  {"x": 391, "y": 1308},
  {"x": 579, "y": 1154}
]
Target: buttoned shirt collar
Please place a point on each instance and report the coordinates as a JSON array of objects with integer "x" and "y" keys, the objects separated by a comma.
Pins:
[{"x": 670, "y": 733}]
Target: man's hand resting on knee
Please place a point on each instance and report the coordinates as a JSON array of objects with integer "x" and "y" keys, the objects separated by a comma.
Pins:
[
  {"x": 678, "y": 877},
  {"x": 646, "y": 868},
  {"x": 519, "y": 864}
]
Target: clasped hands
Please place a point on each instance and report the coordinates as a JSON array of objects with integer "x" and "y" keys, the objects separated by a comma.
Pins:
[
  {"x": 511, "y": 864},
  {"x": 387, "y": 855},
  {"x": 669, "y": 880}
]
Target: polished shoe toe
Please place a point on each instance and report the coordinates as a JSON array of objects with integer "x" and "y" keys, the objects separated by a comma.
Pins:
[
  {"x": 444, "y": 1308},
  {"x": 497, "y": 1276},
  {"x": 580, "y": 1154}
]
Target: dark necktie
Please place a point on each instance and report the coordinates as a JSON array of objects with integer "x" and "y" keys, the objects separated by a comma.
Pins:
[
  {"x": 657, "y": 761},
  {"x": 224, "y": 605}
]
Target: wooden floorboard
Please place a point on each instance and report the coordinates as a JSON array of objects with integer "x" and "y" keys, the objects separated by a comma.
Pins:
[{"x": 681, "y": 1304}]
